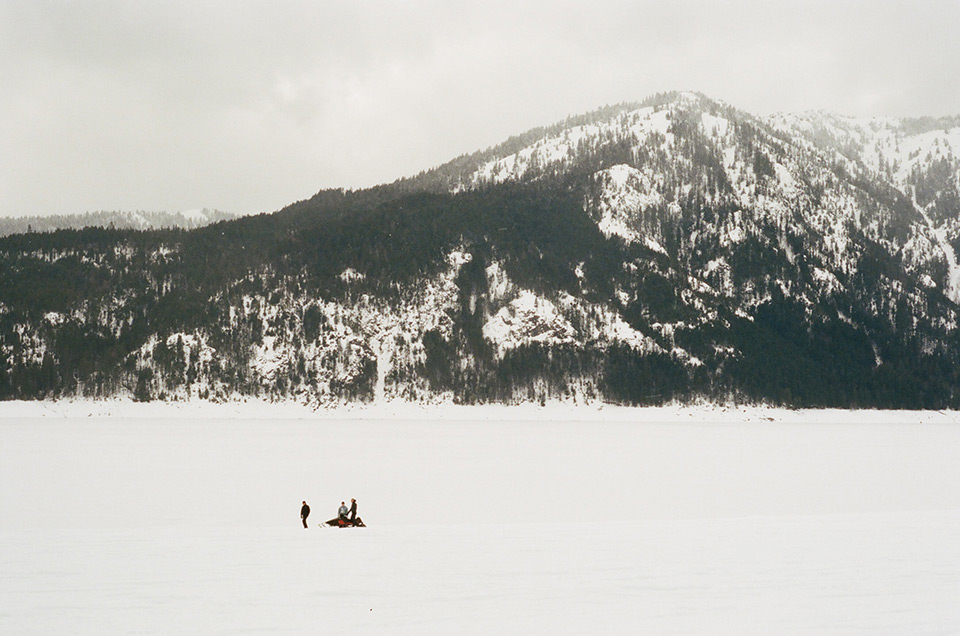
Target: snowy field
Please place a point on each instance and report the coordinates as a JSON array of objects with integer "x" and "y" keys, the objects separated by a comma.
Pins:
[{"x": 158, "y": 519}]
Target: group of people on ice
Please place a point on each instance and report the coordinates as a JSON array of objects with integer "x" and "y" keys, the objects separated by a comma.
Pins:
[{"x": 346, "y": 517}]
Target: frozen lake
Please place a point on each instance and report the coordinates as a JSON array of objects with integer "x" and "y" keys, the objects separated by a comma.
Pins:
[{"x": 133, "y": 519}]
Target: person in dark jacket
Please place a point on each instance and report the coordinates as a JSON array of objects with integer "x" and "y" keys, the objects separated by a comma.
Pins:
[
  {"x": 353, "y": 510},
  {"x": 304, "y": 513}
]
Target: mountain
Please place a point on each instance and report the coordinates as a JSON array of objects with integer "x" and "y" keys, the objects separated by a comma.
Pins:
[
  {"x": 187, "y": 219},
  {"x": 672, "y": 249}
]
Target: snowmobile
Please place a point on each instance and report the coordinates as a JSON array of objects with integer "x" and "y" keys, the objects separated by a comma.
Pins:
[{"x": 343, "y": 522}]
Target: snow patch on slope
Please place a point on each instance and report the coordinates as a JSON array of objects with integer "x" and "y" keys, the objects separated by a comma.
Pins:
[
  {"x": 626, "y": 193},
  {"x": 528, "y": 319},
  {"x": 524, "y": 318}
]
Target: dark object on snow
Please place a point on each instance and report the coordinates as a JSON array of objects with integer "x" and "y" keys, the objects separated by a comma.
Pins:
[
  {"x": 304, "y": 513},
  {"x": 343, "y": 522}
]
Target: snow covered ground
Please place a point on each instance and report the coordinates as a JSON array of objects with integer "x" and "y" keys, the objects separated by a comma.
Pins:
[{"x": 165, "y": 519}]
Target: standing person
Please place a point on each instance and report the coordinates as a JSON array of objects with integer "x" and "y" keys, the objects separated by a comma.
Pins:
[
  {"x": 304, "y": 513},
  {"x": 353, "y": 511},
  {"x": 343, "y": 510}
]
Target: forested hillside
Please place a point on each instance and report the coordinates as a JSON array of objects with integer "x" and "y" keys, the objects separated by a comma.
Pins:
[{"x": 675, "y": 249}]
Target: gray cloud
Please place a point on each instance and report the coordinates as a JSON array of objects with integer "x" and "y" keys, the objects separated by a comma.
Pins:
[{"x": 249, "y": 106}]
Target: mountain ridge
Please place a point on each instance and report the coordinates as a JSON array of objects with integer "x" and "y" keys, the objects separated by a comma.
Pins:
[
  {"x": 139, "y": 220},
  {"x": 670, "y": 249}
]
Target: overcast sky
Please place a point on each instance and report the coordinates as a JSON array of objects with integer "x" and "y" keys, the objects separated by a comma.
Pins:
[{"x": 247, "y": 106}]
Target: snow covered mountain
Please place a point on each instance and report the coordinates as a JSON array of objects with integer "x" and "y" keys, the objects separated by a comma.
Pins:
[
  {"x": 185, "y": 219},
  {"x": 916, "y": 156},
  {"x": 676, "y": 248}
]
